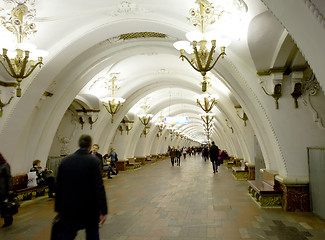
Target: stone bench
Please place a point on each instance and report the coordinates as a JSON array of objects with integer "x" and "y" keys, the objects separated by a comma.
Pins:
[
  {"x": 240, "y": 173},
  {"x": 233, "y": 162},
  {"x": 132, "y": 164},
  {"x": 141, "y": 160},
  {"x": 266, "y": 192},
  {"x": 19, "y": 183}
]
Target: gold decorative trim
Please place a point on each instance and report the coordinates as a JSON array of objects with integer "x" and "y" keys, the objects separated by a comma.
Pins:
[{"x": 127, "y": 36}]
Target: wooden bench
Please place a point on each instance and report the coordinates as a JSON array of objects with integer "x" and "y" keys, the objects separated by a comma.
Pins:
[
  {"x": 132, "y": 164},
  {"x": 19, "y": 183},
  {"x": 266, "y": 192},
  {"x": 240, "y": 173}
]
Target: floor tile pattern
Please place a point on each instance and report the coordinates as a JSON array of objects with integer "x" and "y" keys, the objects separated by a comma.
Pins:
[{"x": 187, "y": 202}]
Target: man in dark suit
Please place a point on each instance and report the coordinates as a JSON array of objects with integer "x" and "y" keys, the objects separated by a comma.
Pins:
[
  {"x": 214, "y": 155},
  {"x": 95, "y": 152},
  {"x": 80, "y": 195}
]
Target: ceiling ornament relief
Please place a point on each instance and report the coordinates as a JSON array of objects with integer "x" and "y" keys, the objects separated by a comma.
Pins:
[
  {"x": 127, "y": 8},
  {"x": 315, "y": 11}
]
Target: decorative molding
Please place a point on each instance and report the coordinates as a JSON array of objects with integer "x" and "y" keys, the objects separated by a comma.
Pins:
[
  {"x": 312, "y": 7},
  {"x": 66, "y": 140},
  {"x": 241, "y": 79},
  {"x": 311, "y": 88}
]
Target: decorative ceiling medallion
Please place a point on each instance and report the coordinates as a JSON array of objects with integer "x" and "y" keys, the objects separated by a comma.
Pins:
[{"x": 134, "y": 35}]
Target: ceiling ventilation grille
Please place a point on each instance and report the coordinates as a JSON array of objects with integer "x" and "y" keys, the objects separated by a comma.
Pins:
[{"x": 142, "y": 35}]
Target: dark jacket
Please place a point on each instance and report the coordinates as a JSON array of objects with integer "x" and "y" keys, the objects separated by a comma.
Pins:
[
  {"x": 5, "y": 181},
  {"x": 214, "y": 153},
  {"x": 80, "y": 194},
  {"x": 100, "y": 157},
  {"x": 113, "y": 156}
]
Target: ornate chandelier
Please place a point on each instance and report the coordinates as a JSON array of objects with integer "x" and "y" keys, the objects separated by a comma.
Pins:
[
  {"x": 206, "y": 101},
  {"x": 207, "y": 118},
  {"x": 113, "y": 103},
  {"x": 145, "y": 117},
  {"x": 203, "y": 43},
  {"x": 20, "y": 60}
]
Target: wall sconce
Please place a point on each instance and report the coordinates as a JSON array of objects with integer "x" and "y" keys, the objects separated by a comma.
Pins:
[
  {"x": 113, "y": 104},
  {"x": 202, "y": 56},
  {"x": 230, "y": 127},
  {"x": 2, "y": 105},
  {"x": 120, "y": 128},
  {"x": 128, "y": 125},
  {"x": 92, "y": 114},
  {"x": 276, "y": 75},
  {"x": 277, "y": 93},
  {"x": 239, "y": 112},
  {"x": 81, "y": 121},
  {"x": 297, "y": 86},
  {"x": 206, "y": 101},
  {"x": 21, "y": 60}
]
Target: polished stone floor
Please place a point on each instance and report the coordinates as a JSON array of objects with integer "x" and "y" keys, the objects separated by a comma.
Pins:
[{"x": 161, "y": 202}]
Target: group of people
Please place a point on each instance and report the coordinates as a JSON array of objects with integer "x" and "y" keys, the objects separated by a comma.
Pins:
[
  {"x": 213, "y": 153},
  {"x": 106, "y": 165},
  {"x": 80, "y": 197},
  {"x": 175, "y": 154}
]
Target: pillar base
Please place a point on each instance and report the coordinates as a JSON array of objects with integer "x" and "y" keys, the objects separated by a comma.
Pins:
[{"x": 296, "y": 196}]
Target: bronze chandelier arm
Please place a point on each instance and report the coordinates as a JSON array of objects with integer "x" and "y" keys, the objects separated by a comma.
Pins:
[
  {"x": 197, "y": 59},
  {"x": 183, "y": 56},
  {"x": 10, "y": 67},
  {"x": 221, "y": 54},
  {"x": 210, "y": 57},
  {"x": 22, "y": 70},
  {"x": 32, "y": 69}
]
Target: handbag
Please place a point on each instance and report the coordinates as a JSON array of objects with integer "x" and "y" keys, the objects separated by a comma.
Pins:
[
  {"x": 11, "y": 205},
  {"x": 56, "y": 228}
]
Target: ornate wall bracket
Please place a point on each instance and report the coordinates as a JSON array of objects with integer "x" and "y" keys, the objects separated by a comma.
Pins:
[{"x": 311, "y": 89}]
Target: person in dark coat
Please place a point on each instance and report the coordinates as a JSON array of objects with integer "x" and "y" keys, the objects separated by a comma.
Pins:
[
  {"x": 114, "y": 159},
  {"x": 80, "y": 198},
  {"x": 172, "y": 155},
  {"x": 5, "y": 190},
  {"x": 214, "y": 155}
]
